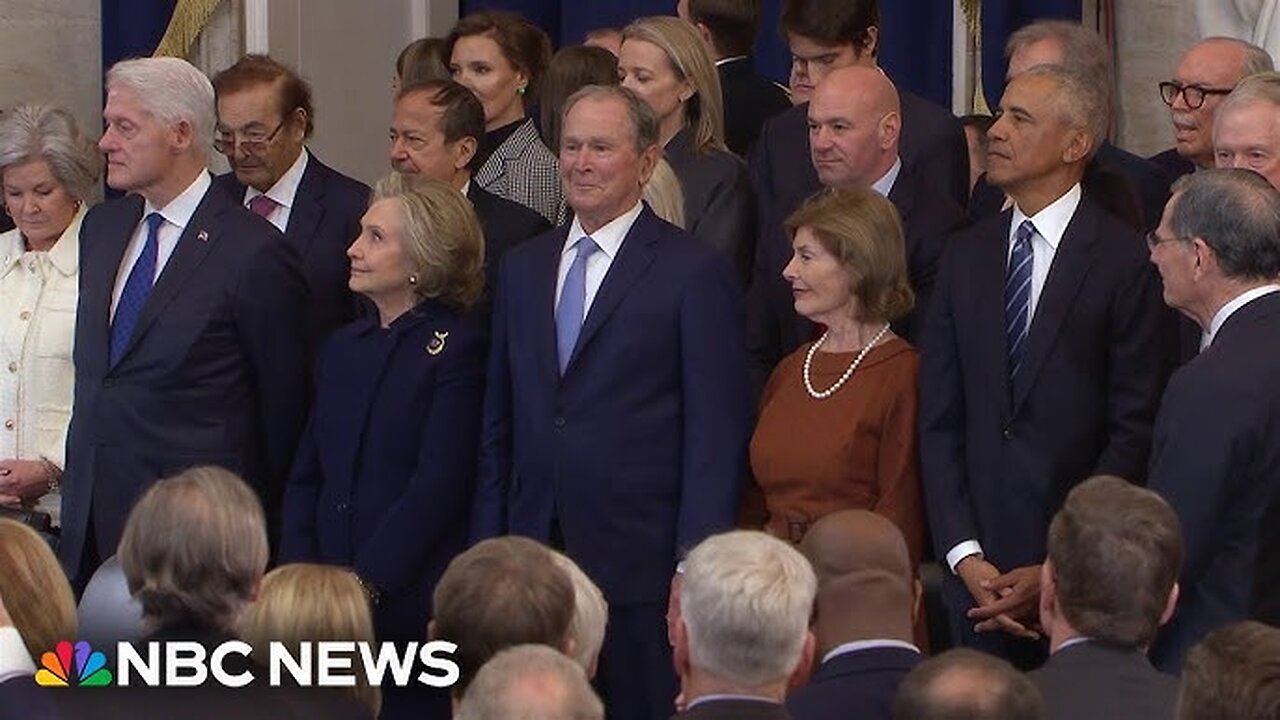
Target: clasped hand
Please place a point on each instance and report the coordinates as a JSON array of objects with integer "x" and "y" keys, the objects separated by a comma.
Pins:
[{"x": 1008, "y": 601}]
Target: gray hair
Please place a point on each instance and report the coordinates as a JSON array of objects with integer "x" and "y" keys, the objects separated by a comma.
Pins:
[
  {"x": 1258, "y": 87},
  {"x": 746, "y": 599},
  {"x": 1083, "y": 50},
  {"x": 1080, "y": 103},
  {"x": 1237, "y": 214},
  {"x": 1255, "y": 59},
  {"x": 44, "y": 132},
  {"x": 665, "y": 194},
  {"x": 590, "y": 613},
  {"x": 171, "y": 89},
  {"x": 964, "y": 684},
  {"x": 644, "y": 124},
  {"x": 530, "y": 682}
]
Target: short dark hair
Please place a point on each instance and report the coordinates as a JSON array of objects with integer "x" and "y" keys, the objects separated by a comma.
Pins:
[
  {"x": 994, "y": 691},
  {"x": 1115, "y": 549},
  {"x": 461, "y": 114},
  {"x": 732, "y": 23},
  {"x": 832, "y": 22},
  {"x": 293, "y": 92},
  {"x": 1233, "y": 673},
  {"x": 571, "y": 69},
  {"x": 1237, "y": 214},
  {"x": 502, "y": 592},
  {"x": 522, "y": 43}
]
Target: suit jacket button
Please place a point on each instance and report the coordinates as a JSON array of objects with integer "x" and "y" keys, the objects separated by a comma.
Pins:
[
  {"x": 1008, "y": 433},
  {"x": 559, "y": 422},
  {"x": 342, "y": 507}
]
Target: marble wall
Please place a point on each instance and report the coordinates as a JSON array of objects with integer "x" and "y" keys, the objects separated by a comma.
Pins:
[{"x": 1150, "y": 35}]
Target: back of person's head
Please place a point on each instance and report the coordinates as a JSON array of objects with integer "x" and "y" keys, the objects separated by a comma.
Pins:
[
  {"x": 834, "y": 22},
  {"x": 174, "y": 91},
  {"x": 312, "y": 603},
  {"x": 590, "y": 615},
  {"x": 1237, "y": 214},
  {"x": 745, "y": 602},
  {"x": 422, "y": 60},
  {"x": 501, "y": 592},
  {"x": 34, "y": 590},
  {"x": 1081, "y": 50},
  {"x": 194, "y": 549},
  {"x": 292, "y": 92},
  {"x": 571, "y": 69},
  {"x": 1114, "y": 551},
  {"x": 665, "y": 194},
  {"x": 1233, "y": 674},
  {"x": 731, "y": 23},
  {"x": 530, "y": 682},
  {"x": 965, "y": 684}
]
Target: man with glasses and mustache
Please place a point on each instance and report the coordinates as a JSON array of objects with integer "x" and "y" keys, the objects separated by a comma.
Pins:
[
  {"x": 1206, "y": 74},
  {"x": 264, "y": 119}
]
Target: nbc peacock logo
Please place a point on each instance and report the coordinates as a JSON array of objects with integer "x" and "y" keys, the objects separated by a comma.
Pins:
[{"x": 90, "y": 667}]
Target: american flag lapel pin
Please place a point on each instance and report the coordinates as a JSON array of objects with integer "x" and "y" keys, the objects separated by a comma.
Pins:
[{"x": 203, "y": 236}]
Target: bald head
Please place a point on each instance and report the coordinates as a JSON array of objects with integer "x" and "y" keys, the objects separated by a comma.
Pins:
[
  {"x": 854, "y": 123},
  {"x": 866, "y": 586}
]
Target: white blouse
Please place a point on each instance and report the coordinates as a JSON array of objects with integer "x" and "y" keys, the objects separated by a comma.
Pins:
[{"x": 37, "y": 330}]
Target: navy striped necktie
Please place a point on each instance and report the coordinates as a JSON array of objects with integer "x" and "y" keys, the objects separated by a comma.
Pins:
[{"x": 1017, "y": 295}]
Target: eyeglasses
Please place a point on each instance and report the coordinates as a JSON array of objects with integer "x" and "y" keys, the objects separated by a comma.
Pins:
[
  {"x": 1193, "y": 95},
  {"x": 251, "y": 143},
  {"x": 1154, "y": 240}
]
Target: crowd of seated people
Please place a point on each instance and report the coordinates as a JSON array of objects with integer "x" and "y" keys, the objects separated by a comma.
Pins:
[{"x": 651, "y": 389}]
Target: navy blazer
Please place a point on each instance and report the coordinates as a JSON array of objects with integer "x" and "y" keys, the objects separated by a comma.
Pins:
[
  {"x": 505, "y": 225},
  {"x": 860, "y": 684},
  {"x": 384, "y": 473},
  {"x": 323, "y": 222},
  {"x": 749, "y": 100},
  {"x": 1216, "y": 459},
  {"x": 719, "y": 204},
  {"x": 1101, "y": 682},
  {"x": 998, "y": 458},
  {"x": 215, "y": 373},
  {"x": 639, "y": 451}
]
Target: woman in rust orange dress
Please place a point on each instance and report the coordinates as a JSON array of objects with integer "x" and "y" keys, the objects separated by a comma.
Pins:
[{"x": 837, "y": 425}]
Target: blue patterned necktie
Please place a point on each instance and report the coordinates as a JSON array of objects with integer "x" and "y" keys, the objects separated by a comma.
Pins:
[
  {"x": 573, "y": 300},
  {"x": 1017, "y": 295},
  {"x": 136, "y": 290}
]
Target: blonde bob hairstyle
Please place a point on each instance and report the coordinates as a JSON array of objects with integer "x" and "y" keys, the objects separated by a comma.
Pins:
[
  {"x": 442, "y": 238},
  {"x": 862, "y": 230},
  {"x": 307, "y": 602},
  {"x": 665, "y": 194},
  {"x": 35, "y": 590},
  {"x": 689, "y": 58}
]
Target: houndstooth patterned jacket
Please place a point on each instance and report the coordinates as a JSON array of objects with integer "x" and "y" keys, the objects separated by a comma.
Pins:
[{"x": 523, "y": 170}]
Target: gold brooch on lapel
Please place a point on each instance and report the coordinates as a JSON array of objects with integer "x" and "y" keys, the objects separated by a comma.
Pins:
[{"x": 436, "y": 346}]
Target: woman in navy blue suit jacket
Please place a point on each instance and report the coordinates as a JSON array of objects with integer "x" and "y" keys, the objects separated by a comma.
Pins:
[{"x": 384, "y": 473}]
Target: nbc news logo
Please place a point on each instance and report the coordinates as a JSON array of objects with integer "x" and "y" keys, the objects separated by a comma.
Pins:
[{"x": 90, "y": 667}]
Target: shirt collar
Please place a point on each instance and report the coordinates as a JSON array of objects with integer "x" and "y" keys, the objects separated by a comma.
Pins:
[
  {"x": 1051, "y": 222},
  {"x": 1224, "y": 312},
  {"x": 874, "y": 643},
  {"x": 180, "y": 209},
  {"x": 608, "y": 238},
  {"x": 286, "y": 188},
  {"x": 730, "y": 696},
  {"x": 723, "y": 61},
  {"x": 64, "y": 256},
  {"x": 885, "y": 184}
]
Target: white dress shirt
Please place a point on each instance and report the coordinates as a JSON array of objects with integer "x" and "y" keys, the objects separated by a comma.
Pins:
[
  {"x": 609, "y": 239},
  {"x": 37, "y": 329},
  {"x": 176, "y": 216},
  {"x": 872, "y": 644},
  {"x": 283, "y": 192},
  {"x": 884, "y": 185},
  {"x": 1230, "y": 308},
  {"x": 14, "y": 658},
  {"x": 1051, "y": 224}
]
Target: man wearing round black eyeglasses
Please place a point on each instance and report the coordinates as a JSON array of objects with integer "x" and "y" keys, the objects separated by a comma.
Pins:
[{"x": 1205, "y": 74}]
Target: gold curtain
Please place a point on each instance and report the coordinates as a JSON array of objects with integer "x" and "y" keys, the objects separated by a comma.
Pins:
[
  {"x": 973, "y": 24},
  {"x": 189, "y": 19}
]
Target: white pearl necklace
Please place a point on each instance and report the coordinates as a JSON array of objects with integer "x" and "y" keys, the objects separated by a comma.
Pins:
[{"x": 808, "y": 360}]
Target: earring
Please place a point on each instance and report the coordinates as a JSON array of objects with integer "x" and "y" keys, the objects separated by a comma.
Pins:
[
  {"x": 520, "y": 90},
  {"x": 413, "y": 279}
]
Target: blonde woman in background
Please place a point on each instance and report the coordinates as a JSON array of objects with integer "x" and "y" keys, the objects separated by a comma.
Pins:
[
  {"x": 34, "y": 590},
  {"x": 665, "y": 195}
]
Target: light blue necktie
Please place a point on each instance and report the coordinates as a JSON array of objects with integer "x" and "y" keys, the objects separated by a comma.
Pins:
[
  {"x": 1017, "y": 295},
  {"x": 573, "y": 301},
  {"x": 136, "y": 290}
]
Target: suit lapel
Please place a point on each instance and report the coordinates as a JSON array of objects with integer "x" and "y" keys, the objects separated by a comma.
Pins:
[
  {"x": 308, "y": 207},
  {"x": 99, "y": 279},
  {"x": 991, "y": 259},
  {"x": 1066, "y": 275},
  {"x": 546, "y": 273},
  {"x": 508, "y": 153},
  {"x": 634, "y": 258}
]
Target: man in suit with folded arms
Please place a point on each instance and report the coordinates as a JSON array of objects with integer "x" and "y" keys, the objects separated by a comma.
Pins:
[
  {"x": 264, "y": 119},
  {"x": 1042, "y": 360},
  {"x": 867, "y": 601},
  {"x": 1216, "y": 454},
  {"x": 191, "y": 333},
  {"x": 616, "y": 414}
]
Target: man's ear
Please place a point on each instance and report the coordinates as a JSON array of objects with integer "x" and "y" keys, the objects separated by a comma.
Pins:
[
  {"x": 872, "y": 44},
  {"x": 1171, "y": 604},
  {"x": 432, "y": 633},
  {"x": 680, "y": 647},
  {"x": 1079, "y": 145},
  {"x": 804, "y": 668},
  {"x": 890, "y": 130},
  {"x": 705, "y": 34},
  {"x": 570, "y": 646},
  {"x": 1205, "y": 258},
  {"x": 648, "y": 161},
  {"x": 463, "y": 150},
  {"x": 1048, "y": 595},
  {"x": 182, "y": 135}
]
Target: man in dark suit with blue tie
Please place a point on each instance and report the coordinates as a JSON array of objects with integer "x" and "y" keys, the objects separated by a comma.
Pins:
[
  {"x": 191, "y": 336},
  {"x": 617, "y": 411},
  {"x": 264, "y": 118},
  {"x": 1042, "y": 360},
  {"x": 1216, "y": 453}
]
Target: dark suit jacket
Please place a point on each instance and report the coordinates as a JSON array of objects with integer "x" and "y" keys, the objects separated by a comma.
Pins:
[
  {"x": 775, "y": 330},
  {"x": 749, "y": 100},
  {"x": 997, "y": 460},
  {"x": 388, "y": 454},
  {"x": 505, "y": 224},
  {"x": 859, "y": 684},
  {"x": 639, "y": 450},
  {"x": 1172, "y": 164},
  {"x": 1216, "y": 459},
  {"x": 735, "y": 710},
  {"x": 932, "y": 145},
  {"x": 22, "y": 699},
  {"x": 215, "y": 373},
  {"x": 1100, "y": 682},
  {"x": 323, "y": 222},
  {"x": 719, "y": 204}
]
